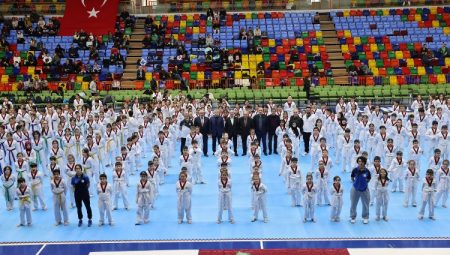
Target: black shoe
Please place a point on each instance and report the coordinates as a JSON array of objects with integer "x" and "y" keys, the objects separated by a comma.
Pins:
[
  {"x": 206, "y": 155},
  {"x": 244, "y": 154},
  {"x": 235, "y": 154},
  {"x": 265, "y": 153},
  {"x": 270, "y": 153},
  {"x": 276, "y": 152}
]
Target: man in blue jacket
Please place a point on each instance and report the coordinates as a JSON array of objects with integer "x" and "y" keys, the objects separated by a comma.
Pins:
[
  {"x": 360, "y": 190},
  {"x": 217, "y": 126}
]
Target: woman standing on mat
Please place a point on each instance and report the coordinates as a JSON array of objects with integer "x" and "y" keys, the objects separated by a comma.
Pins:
[
  {"x": 360, "y": 178},
  {"x": 80, "y": 183}
]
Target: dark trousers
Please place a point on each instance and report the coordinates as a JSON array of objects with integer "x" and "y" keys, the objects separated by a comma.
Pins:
[
  {"x": 205, "y": 144},
  {"x": 273, "y": 138},
  {"x": 215, "y": 141},
  {"x": 234, "y": 139},
  {"x": 262, "y": 139},
  {"x": 79, "y": 198},
  {"x": 306, "y": 137},
  {"x": 183, "y": 143},
  {"x": 244, "y": 144}
]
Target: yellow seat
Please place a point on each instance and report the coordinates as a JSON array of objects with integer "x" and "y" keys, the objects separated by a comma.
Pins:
[
  {"x": 84, "y": 85},
  {"x": 201, "y": 76},
  {"x": 252, "y": 65},
  {"x": 252, "y": 73},
  {"x": 4, "y": 78},
  {"x": 170, "y": 18},
  {"x": 417, "y": 17},
  {"x": 346, "y": 13},
  {"x": 433, "y": 10},
  {"x": 271, "y": 42},
  {"x": 259, "y": 58},
  {"x": 373, "y": 47},
  {"x": 357, "y": 40},
  {"x": 15, "y": 86},
  {"x": 175, "y": 36},
  {"x": 435, "y": 23},
  {"x": 148, "y": 76},
  {"x": 347, "y": 33},
  {"x": 319, "y": 34},
  {"x": 446, "y": 30},
  {"x": 372, "y": 63},
  {"x": 399, "y": 54},
  {"x": 238, "y": 75},
  {"x": 374, "y": 71},
  {"x": 421, "y": 70},
  {"x": 385, "y": 12},
  {"x": 344, "y": 48},
  {"x": 79, "y": 78},
  {"x": 315, "y": 49},
  {"x": 196, "y": 30},
  {"x": 393, "y": 80},
  {"x": 190, "y": 17},
  {"x": 248, "y": 15},
  {"x": 410, "y": 62},
  {"x": 447, "y": 61},
  {"x": 30, "y": 70},
  {"x": 299, "y": 42},
  {"x": 183, "y": 23},
  {"x": 441, "y": 78}
]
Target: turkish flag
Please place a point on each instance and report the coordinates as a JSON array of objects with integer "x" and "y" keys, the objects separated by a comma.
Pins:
[{"x": 96, "y": 16}]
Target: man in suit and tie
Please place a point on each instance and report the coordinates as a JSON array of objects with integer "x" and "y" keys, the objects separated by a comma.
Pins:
[
  {"x": 260, "y": 124},
  {"x": 205, "y": 129},
  {"x": 185, "y": 127},
  {"x": 232, "y": 128},
  {"x": 245, "y": 124},
  {"x": 217, "y": 128},
  {"x": 273, "y": 121}
]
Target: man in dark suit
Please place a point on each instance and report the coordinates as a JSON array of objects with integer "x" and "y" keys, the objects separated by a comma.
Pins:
[
  {"x": 205, "y": 129},
  {"x": 245, "y": 124},
  {"x": 232, "y": 128},
  {"x": 273, "y": 121},
  {"x": 260, "y": 124},
  {"x": 217, "y": 128}
]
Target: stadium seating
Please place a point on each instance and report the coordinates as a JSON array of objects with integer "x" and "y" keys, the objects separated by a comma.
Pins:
[
  {"x": 389, "y": 40},
  {"x": 286, "y": 34}
]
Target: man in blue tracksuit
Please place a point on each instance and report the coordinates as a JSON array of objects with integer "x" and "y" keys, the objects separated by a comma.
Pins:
[{"x": 360, "y": 190}]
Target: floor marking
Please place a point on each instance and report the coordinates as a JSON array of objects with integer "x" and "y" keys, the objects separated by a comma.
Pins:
[
  {"x": 261, "y": 244},
  {"x": 41, "y": 249}
]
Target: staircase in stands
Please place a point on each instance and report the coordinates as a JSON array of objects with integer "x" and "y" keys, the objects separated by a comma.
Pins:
[
  {"x": 134, "y": 54},
  {"x": 333, "y": 47}
]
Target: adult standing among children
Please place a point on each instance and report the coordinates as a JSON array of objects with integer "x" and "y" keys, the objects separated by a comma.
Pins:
[
  {"x": 80, "y": 183},
  {"x": 360, "y": 190}
]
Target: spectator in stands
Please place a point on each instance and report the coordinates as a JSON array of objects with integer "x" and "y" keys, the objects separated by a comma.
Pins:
[
  {"x": 210, "y": 13},
  {"x": 31, "y": 59},
  {"x": 116, "y": 84},
  {"x": 314, "y": 70},
  {"x": 307, "y": 87},
  {"x": 209, "y": 41},
  {"x": 96, "y": 68},
  {"x": 443, "y": 50},
  {"x": 428, "y": 58},
  {"x": 257, "y": 33},
  {"x": 406, "y": 2},
  {"x": 316, "y": 18},
  {"x": 93, "y": 87},
  {"x": 3, "y": 44},
  {"x": 73, "y": 52},
  {"x": 242, "y": 34},
  {"x": 140, "y": 74},
  {"x": 364, "y": 69},
  {"x": 20, "y": 38}
]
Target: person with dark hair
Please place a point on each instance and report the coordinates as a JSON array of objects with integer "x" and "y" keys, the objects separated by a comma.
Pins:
[
  {"x": 81, "y": 183},
  {"x": 360, "y": 178}
]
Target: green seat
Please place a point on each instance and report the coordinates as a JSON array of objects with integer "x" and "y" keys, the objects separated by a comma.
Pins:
[
  {"x": 437, "y": 70},
  {"x": 424, "y": 79}
]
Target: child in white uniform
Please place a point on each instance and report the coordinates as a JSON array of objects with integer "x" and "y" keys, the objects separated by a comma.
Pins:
[
  {"x": 397, "y": 171},
  {"x": 259, "y": 191},
  {"x": 59, "y": 190},
  {"x": 8, "y": 180},
  {"x": 143, "y": 199},
  {"x": 295, "y": 182},
  {"x": 428, "y": 191},
  {"x": 411, "y": 180},
  {"x": 225, "y": 198},
  {"x": 36, "y": 182},
  {"x": 309, "y": 197},
  {"x": 382, "y": 193},
  {"x": 120, "y": 186},
  {"x": 443, "y": 184},
  {"x": 196, "y": 154},
  {"x": 24, "y": 195},
  {"x": 322, "y": 184},
  {"x": 184, "y": 192},
  {"x": 336, "y": 199},
  {"x": 104, "y": 192},
  {"x": 70, "y": 172}
]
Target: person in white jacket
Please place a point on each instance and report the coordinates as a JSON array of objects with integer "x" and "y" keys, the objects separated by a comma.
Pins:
[
  {"x": 411, "y": 180},
  {"x": 59, "y": 190},
  {"x": 336, "y": 199},
  {"x": 120, "y": 186},
  {"x": 8, "y": 181},
  {"x": 143, "y": 199},
  {"x": 428, "y": 192},
  {"x": 382, "y": 193},
  {"x": 295, "y": 182},
  {"x": 443, "y": 184},
  {"x": 259, "y": 191},
  {"x": 397, "y": 171},
  {"x": 184, "y": 192},
  {"x": 225, "y": 198},
  {"x": 104, "y": 192}
]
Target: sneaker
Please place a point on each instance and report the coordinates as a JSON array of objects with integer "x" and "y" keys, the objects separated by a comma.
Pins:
[
  {"x": 304, "y": 220},
  {"x": 20, "y": 225},
  {"x": 445, "y": 206},
  {"x": 45, "y": 208},
  {"x": 101, "y": 224},
  {"x": 314, "y": 220},
  {"x": 146, "y": 221},
  {"x": 385, "y": 218},
  {"x": 338, "y": 219},
  {"x": 29, "y": 224},
  {"x": 34, "y": 209},
  {"x": 189, "y": 221},
  {"x": 414, "y": 205},
  {"x": 405, "y": 205},
  {"x": 66, "y": 223},
  {"x": 89, "y": 223},
  {"x": 420, "y": 217},
  {"x": 180, "y": 221},
  {"x": 365, "y": 221},
  {"x": 304, "y": 153},
  {"x": 137, "y": 223},
  {"x": 353, "y": 221},
  {"x": 266, "y": 220},
  {"x": 80, "y": 223},
  {"x": 57, "y": 223},
  {"x": 218, "y": 221},
  {"x": 232, "y": 221},
  {"x": 432, "y": 218},
  {"x": 377, "y": 218},
  {"x": 253, "y": 219}
]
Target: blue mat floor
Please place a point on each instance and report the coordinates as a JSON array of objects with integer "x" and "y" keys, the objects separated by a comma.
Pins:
[{"x": 285, "y": 222}]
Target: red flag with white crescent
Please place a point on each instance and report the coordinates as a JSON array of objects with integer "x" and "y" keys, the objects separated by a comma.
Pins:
[{"x": 93, "y": 16}]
